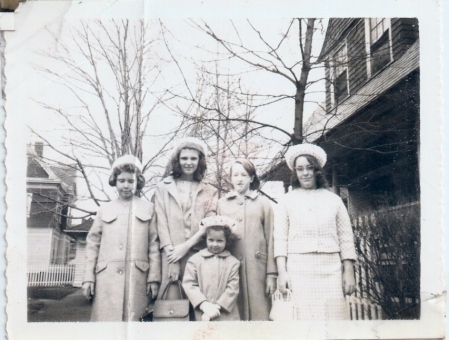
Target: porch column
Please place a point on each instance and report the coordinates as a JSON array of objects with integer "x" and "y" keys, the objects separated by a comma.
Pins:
[{"x": 335, "y": 188}]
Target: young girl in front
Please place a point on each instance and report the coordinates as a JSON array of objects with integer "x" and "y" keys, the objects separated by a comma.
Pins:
[
  {"x": 253, "y": 216},
  {"x": 211, "y": 278},
  {"x": 123, "y": 268}
]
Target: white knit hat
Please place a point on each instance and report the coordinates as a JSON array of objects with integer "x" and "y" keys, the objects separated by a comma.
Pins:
[
  {"x": 127, "y": 159},
  {"x": 305, "y": 149},
  {"x": 191, "y": 143},
  {"x": 217, "y": 220}
]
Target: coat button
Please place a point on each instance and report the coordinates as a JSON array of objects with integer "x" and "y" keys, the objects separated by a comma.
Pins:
[
  {"x": 240, "y": 203},
  {"x": 238, "y": 237},
  {"x": 240, "y": 258},
  {"x": 120, "y": 272},
  {"x": 239, "y": 219},
  {"x": 120, "y": 246},
  {"x": 258, "y": 255}
]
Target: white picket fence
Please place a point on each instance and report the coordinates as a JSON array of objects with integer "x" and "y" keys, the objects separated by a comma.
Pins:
[
  {"x": 50, "y": 275},
  {"x": 363, "y": 309}
]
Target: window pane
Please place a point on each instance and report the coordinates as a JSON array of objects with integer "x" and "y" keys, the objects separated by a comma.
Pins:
[
  {"x": 378, "y": 27},
  {"x": 373, "y": 35},
  {"x": 380, "y": 53},
  {"x": 379, "y": 30},
  {"x": 341, "y": 88}
]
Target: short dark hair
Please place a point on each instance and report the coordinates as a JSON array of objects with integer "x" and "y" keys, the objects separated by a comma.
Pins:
[
  {"x": 129, "y": 168},
  {"x": 320, "y": 178},
  {"x": 229, "y": 235},
  {"x": 200, "y": 171},
  {"x": 250, "y": 169}
]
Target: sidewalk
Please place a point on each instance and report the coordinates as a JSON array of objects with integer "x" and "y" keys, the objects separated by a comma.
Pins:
[{"x": 71, "y": 308}]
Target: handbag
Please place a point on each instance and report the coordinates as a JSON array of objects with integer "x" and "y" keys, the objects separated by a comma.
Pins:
[
  {"x": 282, "y": 309},
  {"x": 171, "y": 310}
]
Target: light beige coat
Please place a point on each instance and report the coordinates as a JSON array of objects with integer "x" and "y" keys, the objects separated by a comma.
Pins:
[
  {"x": 122, "y": 256},
  {"x": 170, "y": 217}
]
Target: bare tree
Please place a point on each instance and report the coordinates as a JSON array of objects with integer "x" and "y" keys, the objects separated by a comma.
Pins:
[
  {"x": 270, "y": 58},
  {"x": 110, "y": 70},
  {"x": 217, "y": 110}
]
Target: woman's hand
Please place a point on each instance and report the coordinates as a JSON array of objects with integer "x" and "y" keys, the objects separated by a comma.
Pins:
[
  {"x": 270, "y": 285},
  {"x": 174, "y": 270},
  {"x": 88, "y": 290},
  {"x": 152, "y": 289},
  {"x": 284, "y": 282},
  {"x": 176, "y": 253},
  {"x": 348, "y": 279}
]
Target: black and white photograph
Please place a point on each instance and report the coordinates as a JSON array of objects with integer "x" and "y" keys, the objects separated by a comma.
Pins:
[{"x": 276, "y": 168}]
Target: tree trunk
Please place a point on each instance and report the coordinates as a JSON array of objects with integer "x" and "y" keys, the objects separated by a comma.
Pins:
[{"x": 297, "y": 137}]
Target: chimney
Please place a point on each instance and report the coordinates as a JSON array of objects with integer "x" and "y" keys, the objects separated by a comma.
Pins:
[{"x": 39, "y": 148}]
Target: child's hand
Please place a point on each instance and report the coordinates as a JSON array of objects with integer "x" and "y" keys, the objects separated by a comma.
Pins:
[
  {"x": 176, "y": 253},
  {"x": 210, "y": 309},
  {"x": 173, "y": 271},
  {"x": 152, "y": 289},
  {"x": 270, "y": 285},
  {"x": 88, "y": 290}
]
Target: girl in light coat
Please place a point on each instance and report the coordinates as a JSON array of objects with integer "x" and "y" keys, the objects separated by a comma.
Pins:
[
  {"x": 211, "y": 278},
  {"x": 123, "y": 268},
  {"x": 254, "y": 246},
  {"x": 182, "y": 200}
]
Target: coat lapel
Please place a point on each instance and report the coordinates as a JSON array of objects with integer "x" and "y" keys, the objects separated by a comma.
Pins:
[{"x": 172, "y": 189}]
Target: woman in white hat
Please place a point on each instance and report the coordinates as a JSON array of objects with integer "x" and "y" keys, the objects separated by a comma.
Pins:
[
  {"x": 182, "y": 200},
  {"x": 122, "y": 252},
  {"x": 313, "y": 240}
]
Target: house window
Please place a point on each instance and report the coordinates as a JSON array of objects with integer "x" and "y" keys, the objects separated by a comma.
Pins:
[
  {"x": 378, "y": 36},
  {"x": 339, "y": 76}
]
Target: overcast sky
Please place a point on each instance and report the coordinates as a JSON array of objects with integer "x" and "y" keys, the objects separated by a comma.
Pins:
[{"x": 27, "y": 48}]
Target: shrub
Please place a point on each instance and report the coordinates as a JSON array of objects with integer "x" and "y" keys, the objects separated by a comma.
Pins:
[{"x": 388, "y": 269}]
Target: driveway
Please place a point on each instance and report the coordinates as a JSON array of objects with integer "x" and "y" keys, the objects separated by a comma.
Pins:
[{"x": 53, "y": 306}]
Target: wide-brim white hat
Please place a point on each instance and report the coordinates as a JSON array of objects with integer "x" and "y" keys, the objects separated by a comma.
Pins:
[
  {"x": 190, "y": 143},
  {"x": 217, "y": 220},
  {"x": 305, "y": 149},
  {"x": 127, "y": 159}
]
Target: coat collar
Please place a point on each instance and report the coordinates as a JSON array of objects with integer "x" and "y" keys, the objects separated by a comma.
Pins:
[
  {"x": 173, "y": 190},
  {"x": 170, "y": 180},
  {"x": 206, "y": 253},
  {"x": 233, "y": 194}
]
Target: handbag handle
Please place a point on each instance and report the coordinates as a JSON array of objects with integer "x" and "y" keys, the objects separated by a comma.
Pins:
[
  {"x": 277, "y": 295},
  {"x": 165, "y": 292}
]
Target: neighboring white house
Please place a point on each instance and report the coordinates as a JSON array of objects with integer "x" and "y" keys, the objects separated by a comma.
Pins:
[{"x": 49, "y": 189}]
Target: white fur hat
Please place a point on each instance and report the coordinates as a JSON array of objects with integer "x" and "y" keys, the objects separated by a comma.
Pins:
[
  {"x": 127, "y": 159},
  {"x": 191, "y": 143},
  {"x": 305, "y": 149},
  {"x": 217, "y": 220}
]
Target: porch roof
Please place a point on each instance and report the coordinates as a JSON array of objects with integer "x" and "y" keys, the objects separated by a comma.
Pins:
[{"x": 320, "y": 123}]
